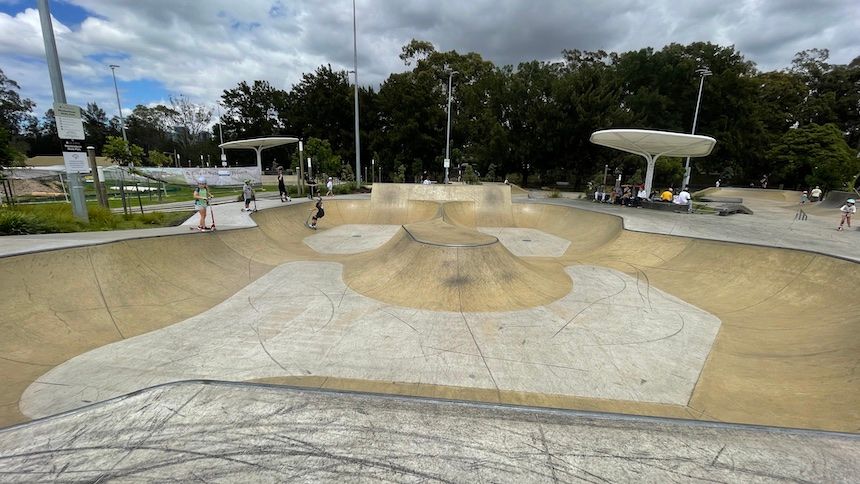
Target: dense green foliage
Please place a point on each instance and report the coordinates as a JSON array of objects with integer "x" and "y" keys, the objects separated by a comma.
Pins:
[
  {"x": 58, "y": 217},
  {"x": 530, "y": 122}
]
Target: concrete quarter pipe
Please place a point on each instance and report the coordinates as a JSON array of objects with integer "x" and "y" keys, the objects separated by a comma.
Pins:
[{"x": 469, "y": 297}]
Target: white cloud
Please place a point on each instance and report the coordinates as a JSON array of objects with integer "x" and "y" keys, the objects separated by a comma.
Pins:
[{"x": 201, "y": 48}]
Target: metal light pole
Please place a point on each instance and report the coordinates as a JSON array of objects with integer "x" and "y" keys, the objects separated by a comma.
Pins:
[
  {"x": 448, "y": 132},
  {"x": 355, "y": 70},
  {"x": 119, "y": 106},
  {"x": 704, "y": 72},
  {"x": 221, "y": 134},
  {"x": 76, "y": 187}
]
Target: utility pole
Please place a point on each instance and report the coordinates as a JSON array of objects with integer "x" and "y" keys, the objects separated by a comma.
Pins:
[
  {"x": 448, "y": 135},
  {"x": 704, "y": 72},
  {"x": 355, "y": 67}
]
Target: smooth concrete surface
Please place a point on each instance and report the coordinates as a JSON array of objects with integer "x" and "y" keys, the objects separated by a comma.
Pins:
[
  {"x": 783, "y": 349},
  {"x": 206, "y": 432},
  {"x": 606, "y": 339}
]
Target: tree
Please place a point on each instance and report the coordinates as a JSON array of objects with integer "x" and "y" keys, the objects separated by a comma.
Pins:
[
  {"x": 9, "y": 155},
  {"x": 120, "y": 153},
  {"x": 815, "y": 155},
  {"x": 324, "y": 160},
  {"x": 152, "y": 127},
  {"x": 13, "y": 109},
  {"x": 321, "y": 106},
  {"x": 157, "y": 158},
  {"x": 96, "y": 126},
  {"x": 191, "y": 123},
  {"x": 253, "y": 110}
]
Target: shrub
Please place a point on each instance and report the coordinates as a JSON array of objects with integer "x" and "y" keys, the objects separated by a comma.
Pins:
[
  {"x": 344, "y": 188},
  {"x": 13, "y": 222},
  {"x": 469, "y": 176},
  {"x": 554, "y": 193},
  {"x": 400, "y": 175}
]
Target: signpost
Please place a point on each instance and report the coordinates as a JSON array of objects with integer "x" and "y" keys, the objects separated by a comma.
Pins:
[{"x": 70, "y": 129}]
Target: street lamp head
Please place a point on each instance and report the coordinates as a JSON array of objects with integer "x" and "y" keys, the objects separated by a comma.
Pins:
[
  {"x": 704, "y": 71},
  {"x": 113, "y": 66}
]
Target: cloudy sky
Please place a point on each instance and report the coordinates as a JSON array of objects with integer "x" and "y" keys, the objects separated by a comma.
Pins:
[{"x": 198, "y": 48}]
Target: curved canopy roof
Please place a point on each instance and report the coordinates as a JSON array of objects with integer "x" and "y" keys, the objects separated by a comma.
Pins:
[
  {"x": 259, "y": 143},
  {"x": 654, "y": 143}
]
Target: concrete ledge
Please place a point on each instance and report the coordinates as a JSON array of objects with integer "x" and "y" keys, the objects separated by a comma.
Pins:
[{"x": 666, "y": 207}]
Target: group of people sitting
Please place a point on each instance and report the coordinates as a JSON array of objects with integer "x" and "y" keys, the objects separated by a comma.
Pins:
[{"x": 633, "y": 196}]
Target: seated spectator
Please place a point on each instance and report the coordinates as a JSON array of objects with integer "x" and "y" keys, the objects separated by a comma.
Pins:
[
  {"x": 683, "y": 197},
  {"x": 640, "y": 196},
  {"x": 598, "y": 194},
  {"x": 667, "y": 195}
]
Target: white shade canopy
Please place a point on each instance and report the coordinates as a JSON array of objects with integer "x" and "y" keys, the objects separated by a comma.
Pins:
[
  {"x": 655, "y": 143},
  {"x": 258, "y": 145},
  {"x": 652, "y": 144}
]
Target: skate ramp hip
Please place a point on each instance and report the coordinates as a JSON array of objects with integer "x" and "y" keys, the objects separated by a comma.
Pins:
[{"x": 613, "y": 320}]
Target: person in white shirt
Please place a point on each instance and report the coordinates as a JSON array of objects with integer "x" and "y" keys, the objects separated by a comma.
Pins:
[
  {"x": 815, "y": 194},
  {"x": 641, "y": 195},
  {"x": 426, "y": 181},
  {"x": 330, "y": 186},
  {"x": 683, "y": 197},
  {"x": 847, "y": 211}
]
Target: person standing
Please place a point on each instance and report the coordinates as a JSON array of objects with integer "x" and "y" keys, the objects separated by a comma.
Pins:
[
  {"x": 248, "y": 195},
  {"x": 282, "y": 188},
  {"x": 201, "y": 201},
  {"x": 815, "y": 194},
  {"x": 848, "y": 210},
  {"x": 329, "y": 186}
]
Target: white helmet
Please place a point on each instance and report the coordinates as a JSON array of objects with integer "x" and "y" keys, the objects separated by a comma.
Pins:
[{"x": 201, "y": 179}]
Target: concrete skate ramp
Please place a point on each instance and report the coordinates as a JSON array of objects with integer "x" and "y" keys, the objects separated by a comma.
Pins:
[
  {"x": 754, "y": 194},
  {"x": 786, "y": 354}
]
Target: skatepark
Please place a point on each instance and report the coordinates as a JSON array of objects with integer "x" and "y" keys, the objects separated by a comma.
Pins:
[{"x": 481, "y": 307}]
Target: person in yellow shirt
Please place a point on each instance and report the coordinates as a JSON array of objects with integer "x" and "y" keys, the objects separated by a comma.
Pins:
[{"x": 667, "y": 195}]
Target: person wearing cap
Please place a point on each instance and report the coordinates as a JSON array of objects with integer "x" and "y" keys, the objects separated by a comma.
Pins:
[
  {"x": 330, "y": 186},
  {"x": 248, "y": 194},
  {"x": 804, "y": 197},
  {"x": 201, "y": 201},
  {"x": 847, "y": 211}
]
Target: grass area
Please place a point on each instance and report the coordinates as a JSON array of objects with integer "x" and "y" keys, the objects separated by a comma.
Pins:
[{"x": 57, "y": 217}]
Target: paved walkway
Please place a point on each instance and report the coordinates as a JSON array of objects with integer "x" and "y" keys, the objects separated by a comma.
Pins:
[{"x": 772, "y": 225}]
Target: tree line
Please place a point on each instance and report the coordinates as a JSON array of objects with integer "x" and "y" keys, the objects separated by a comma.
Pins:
[{"x": 800, "y": 126}]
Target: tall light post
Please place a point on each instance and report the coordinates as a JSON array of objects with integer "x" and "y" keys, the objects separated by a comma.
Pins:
[
  {"x": 118, "y": 105},
  {"x": 355, "y": 70},
  {"x": 448, "y": 131},
  {"x": 703, "y": 72},
  {"x": 221, "y": 136}
]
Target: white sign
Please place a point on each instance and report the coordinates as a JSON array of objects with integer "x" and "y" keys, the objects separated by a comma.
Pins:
[
  {"x": 447, "y": 163},
  {"x": 69, "y": 122},
  {"x": 223, "y": 157},
  {"x": 76, "y": 162}
]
